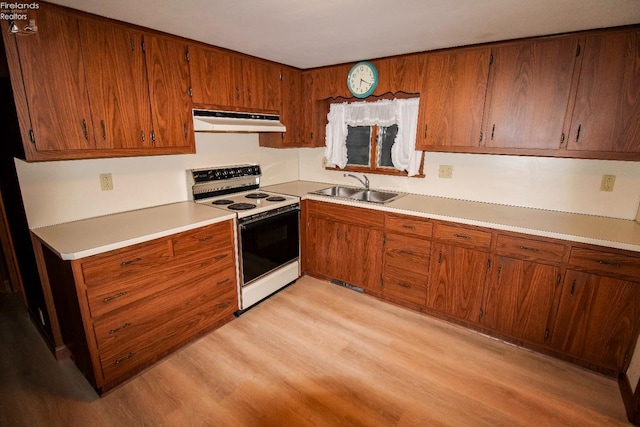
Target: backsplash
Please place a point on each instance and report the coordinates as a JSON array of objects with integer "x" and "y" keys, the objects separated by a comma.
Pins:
[
  {"x": 63, "y": 191},
  {"x": 568, "y": 185}
]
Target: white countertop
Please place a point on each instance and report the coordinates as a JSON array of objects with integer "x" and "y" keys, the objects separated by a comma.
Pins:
[
  {"x": 608, "y": 232},
  {"x": 79, "y": 239}
]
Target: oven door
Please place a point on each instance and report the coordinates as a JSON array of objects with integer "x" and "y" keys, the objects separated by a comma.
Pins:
[{"x": 269, "y": 243}]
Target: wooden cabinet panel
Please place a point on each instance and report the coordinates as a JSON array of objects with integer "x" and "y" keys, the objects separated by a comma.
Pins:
[
  {"x": 117, "y": 85},
  {"x": 349, "y": 214},
  {"x": 330, "y": 82},
  {"x": 261, "y": 82},
  {"x": 607, "y": 106},
  {"x": 213, "y": 77},
  {"x": 406, "y": 268},
  {"x": 364, "y": 246},
  {"x": 169, "y": 81},
  {"x": 457, "y": 281},
  {"x": 519, "y": 298},
  {"x": 208, "y": 239},
  {"x": 291, "y": 113},
  {"x": 530, "y": 249},
  {"x": 115, "y": 330},
  {"x": 608, "y": 263},
  {"x": 54, "y": 77},
  {"x": 529, "y": 93},
  {"x": 400, "y": 74},
  {"x": 411, "y": 226},
  {"x": 322, "y": 247},
  {"x": 459, "y": 235},
  {"x": 452, "y": 99},
  {"x": 598, "y": 319}
]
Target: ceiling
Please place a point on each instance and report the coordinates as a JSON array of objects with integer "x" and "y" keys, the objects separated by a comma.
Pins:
[{"x": 308, "y": 34}]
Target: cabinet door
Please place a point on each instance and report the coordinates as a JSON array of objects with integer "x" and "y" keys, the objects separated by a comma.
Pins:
[
  {"x": 117, "y": 84},
  {"x": 519, "y": 298},
  {"x": 261, "y": 85},
  {"x": 457, "y": 280},
  {"x": 214, "y": 77},
  {"x": 452, "y": 99},
  {"x": 597, "y": 319},
  {"x": 361, "y": 257},
  {"x": 322, "y": 247},
  {"x": 54, "y": 79},
  {"x": 168, "y": 76},
  {"x": 607, "y": 107},
  {"x": 291, "y": 113},
  {"x": 529, "y": 93}
]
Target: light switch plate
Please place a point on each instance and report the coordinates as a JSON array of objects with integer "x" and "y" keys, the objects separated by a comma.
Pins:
[{"x": 106, "y": 182}]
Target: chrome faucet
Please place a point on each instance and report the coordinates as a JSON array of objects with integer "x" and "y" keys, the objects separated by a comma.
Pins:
[{"x": 364, "y": 182}]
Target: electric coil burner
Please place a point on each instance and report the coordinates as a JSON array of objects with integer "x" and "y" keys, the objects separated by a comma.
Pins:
[{"x": 268, "y": 227}]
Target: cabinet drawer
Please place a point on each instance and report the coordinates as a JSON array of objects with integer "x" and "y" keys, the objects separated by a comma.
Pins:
[
  {"x": 118, "y": 293},
  {"x": 407, "y": 253},
  {"x": 156, "y": 342},
  {"x": 211, "y": 238},
  {"x": 348, "y": 214},
  {"x": 595, "y": 261},
  {"x": 136, "y": 261},
  {"x": 405, "y": 285},
  {"x": 408, "y": 225},
  {"x": 463, "y": 235},
  {"x": 126, "y": 324},
  {"x": 530, "y": 249}
]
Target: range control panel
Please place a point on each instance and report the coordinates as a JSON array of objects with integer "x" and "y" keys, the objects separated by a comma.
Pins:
[{"x": 224, "y": 173}]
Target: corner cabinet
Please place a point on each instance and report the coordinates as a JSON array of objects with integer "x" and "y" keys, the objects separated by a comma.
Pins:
[
  {"x": 123, "y": 310},
  {"x": 86, "y": 87}
]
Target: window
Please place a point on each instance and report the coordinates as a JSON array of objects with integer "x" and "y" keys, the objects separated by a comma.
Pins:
[{"x": 374, "y": 137}]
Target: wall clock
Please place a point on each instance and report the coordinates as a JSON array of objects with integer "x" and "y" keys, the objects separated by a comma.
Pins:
[{"x": 362, "y": 79}]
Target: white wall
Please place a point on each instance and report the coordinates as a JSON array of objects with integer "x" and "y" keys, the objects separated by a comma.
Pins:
[
  {"x": 62, "y": 191},
  {"x": 569, "y": 185}
]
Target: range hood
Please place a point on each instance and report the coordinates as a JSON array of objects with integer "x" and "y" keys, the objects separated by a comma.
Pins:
[{"x": 233, "y": 121}]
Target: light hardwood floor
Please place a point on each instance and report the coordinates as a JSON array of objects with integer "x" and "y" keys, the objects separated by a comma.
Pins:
[{"x": 315, "y": 354}]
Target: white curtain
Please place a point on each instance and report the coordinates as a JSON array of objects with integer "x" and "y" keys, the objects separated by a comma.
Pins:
[{"x": 403, "y": 112}]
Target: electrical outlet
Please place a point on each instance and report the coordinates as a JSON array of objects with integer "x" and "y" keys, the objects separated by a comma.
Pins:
[
  {"x": 106, "y": 182},
  {"x": 608, "y": 181},
  {"x": 446, "y": 171}
]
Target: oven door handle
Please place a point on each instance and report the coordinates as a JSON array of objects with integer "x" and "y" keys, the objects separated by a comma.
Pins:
[{"x": 243, "y": 225}]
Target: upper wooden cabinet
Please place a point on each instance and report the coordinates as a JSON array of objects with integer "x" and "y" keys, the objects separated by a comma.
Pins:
[
  {"x": 528, "y": 95},
  {"x": 452, "y": 99},
  {"x": 607, "y": 105},
  {"x": 87, "y": 88},
  {"x": 117, "y": 85},
  {"x": 48, "y": 66},
  {"x": 226, "y": 80},
  {"x": 168, "y": 76}
]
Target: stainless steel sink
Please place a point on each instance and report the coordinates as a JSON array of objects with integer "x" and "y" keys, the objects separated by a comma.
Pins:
[
  {"x": 374, "y": 196},
  {"x": 371, "y": 196},
  {"x": 338, "y": 191}
]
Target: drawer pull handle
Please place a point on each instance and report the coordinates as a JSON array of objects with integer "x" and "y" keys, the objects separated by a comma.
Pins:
[
  {"x": 220, "y": 282},
  {"x": 125, "y": 326},
  {"x": 402, "y": 251},
  {"x": 204, "y": 239},
  {"x": 118, "y": 295},
  {"x": 224, "y": 305},
  {"x": 462, "y": 236},
  {"x": 133, "y": 261},
  {"x": 219, "y": 257},
  {"x": 410, "y": 227},
  {"x": 404, "y": 285},
  {"x": 123, "y": 358},
  {"x": 526, "y": 248},
  {"x": 609, "y": 263}
]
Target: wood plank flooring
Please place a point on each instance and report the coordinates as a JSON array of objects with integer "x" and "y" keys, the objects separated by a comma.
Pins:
[{"x": 315, "y": 354}]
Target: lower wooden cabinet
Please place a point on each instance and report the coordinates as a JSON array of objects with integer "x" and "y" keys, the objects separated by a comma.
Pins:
[
  {"x": 573, "y": 301},
  {"x": 123, "y": 310},
  {"x": 342, "y": 247}
]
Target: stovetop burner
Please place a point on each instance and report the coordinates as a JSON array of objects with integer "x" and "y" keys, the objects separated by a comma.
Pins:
[
  {"x": 276, "y": 199},
  {"x": 241, "y": 206},
  {"x": 222, "y": 202},
  {"x": 256, "y": 196}
]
